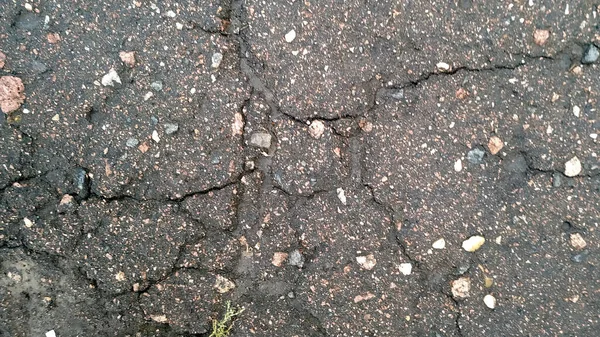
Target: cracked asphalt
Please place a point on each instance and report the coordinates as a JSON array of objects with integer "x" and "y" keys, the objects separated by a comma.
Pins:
[{"x": 319, "y": 163}]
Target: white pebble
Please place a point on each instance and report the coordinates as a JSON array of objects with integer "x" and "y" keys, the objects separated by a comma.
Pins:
[
  {"x": 316, "y": 129},
  {"x": 51, "y": 333},
  {"x": 473, "y": 243},
  {"x": 171, "y": 14},
  {"x": 439, "y": 244},
  {"x": 341, "y": 195},
  {"x": 28, "y": 7},
  {"x": 179, "y": 25},
  {"x": 155, "y": 136},
  {"x": 405, "y": 268},
  {"x": 110, "y": 78},
  {"x": 216, "y": 60},
  {"x": 443, "y": 66},
  {"x": 490, "y": 301},
  {"x": 290, "y": 36},
  {"x": 576, "y": 111},
  {"x": 458, "y": 166},
  {"x": 573, "y": 167}
]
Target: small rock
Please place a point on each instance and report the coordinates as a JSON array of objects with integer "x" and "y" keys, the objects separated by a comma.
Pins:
[
  {"x": 237, "y": 127},
  {"x": 576, "y": 111},
  {"x": 53, "y": 38},
  {"x": 461, "y": 93},
  {"x": 216, "y": 60},
  {"x": 110, "y": 78},
  {"x": 475, "y": 156},
  {"x": 367, "y": 262},
  {"x": 341, "y": 195},
  {"x": 223, "y": 285},
  {"x": 439, "y": 244},
  {"x": 461, "y": 288},
  {"x": 577, "y": 241},
  {"x": 2, "y": 59},
  {"x": 490, "y": 301},
  {"x": 365, "y": 125},
  {"x": 261, "y": 139},
  {"x": 179, "y": 25},
  {"x": 290, "y": 36},
  {"x": 443, "y": 66},
  {"x": 473, "y": 243},
  {"x": 316, "y": 129},
  {"x": 405, "y": 268},
  {"x": 128, "y": 57},
  {"x": 157, "y": 86},
  {"x": 28, "y": 223},
  {"x": 580, "y": 257},
  {"x": 279, "y": 258},
  {"x": 556, "y": 179},
  {"x": 540, "y": 36},
  {"x": 291, "y": 294},
  {"x": 573, "y": 167},
  {"x": 296, "y": 259},
  {"x": 458, "y": 165},
  {"x": 144, "y": 147},
  {"x": 171, "y": 128},
  {"x": 495, "y": 144},
  {"x": 590, "y": 55},
  {"x": 171, "y": 14},
  {"x": 155, "y": 136},
  {"x": 148, "y": 95},
  {"x": 11, "y": 93},
  {"x": 160, "y": 318},
  {"x": 132, "y": 142},
  {"x": 66, "y": 199},
  {"x": 120, "y": 276},
  {"x": 360, "y": 298},
  {"x": 50, "y": 333}
]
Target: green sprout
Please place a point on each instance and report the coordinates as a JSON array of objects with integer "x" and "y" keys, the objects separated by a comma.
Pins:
[{"x": 221, "y": 328}]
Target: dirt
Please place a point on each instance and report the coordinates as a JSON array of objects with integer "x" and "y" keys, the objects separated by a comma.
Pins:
[{"x": 141, "y": 207}]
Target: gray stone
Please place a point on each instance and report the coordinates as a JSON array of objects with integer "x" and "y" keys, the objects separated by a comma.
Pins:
[
  {"x": 157, "y": 86},
  {"x": 132, "y": 142},
  {"x": 590, "y": 55},
  {"x": 296, "y": 259},
  {"x": 171, "y": 128},
  {"x": 556, "y": 179},
  {"x": 475, "y": 156},
  {"x": 261, "y": 139}
]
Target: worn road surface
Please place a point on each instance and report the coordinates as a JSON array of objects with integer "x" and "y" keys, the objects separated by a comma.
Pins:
[{"x": 336, "y": 168}]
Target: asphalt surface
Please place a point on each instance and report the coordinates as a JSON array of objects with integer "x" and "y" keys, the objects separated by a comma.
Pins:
[{"x": 319, "y": 164}]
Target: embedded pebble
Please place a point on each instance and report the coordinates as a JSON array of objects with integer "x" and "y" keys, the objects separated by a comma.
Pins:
[
  {"x": 368, "y": 262},
  {"x": 261, "y": 139},
  {"x": 216, "y": 60},
  {"x": 495, "y": 144},
  {"x": 11, "y": 93},
  {"x": 50, "y": 333},
  {"x": 360, "y": 298},
  {"x": 155, "y": 136},
  {"x": 28, "y": 223},
  {"x": 473, "y": 243},
  {"x": 316, "y": 129},
  {"x": 576, "y": 111},
  {"x": 128, "y": 57},
  {"x": 439, "y": 244},
  {"x": 490, "y": 301},
  {"x": 540, "y": 36},
  {"x": 443, "y": 66},
  {"x": 223, "y": 285},
  {"x": 157, "y": 86},
  {"x": 290, "y": 36},
  {"x": 2, "y": 59},
  {"x": 279, "y": 258},
  {"x": 341, "y": 195},
  {"x": 132, "y": 142},
  {"x": 110, "y": 78},
  {"x": 573, "y": 167},
  {"x": 296, "y": 259},
  {"x": 171, "y": 128},
  {"x": 475, "y": 156},
  {"x": 577, "y": 241},
  {"x": 458, "y": 165},
  {"x": 405, "y": 268},
  {"x": 461, "y": 287},
  {"x": 590, "y": 55}
]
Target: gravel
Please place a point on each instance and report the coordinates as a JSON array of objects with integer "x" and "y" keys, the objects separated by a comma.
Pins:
[
  {"x": 475, "y": 156},
  {"x": 296, "y": 259},
  {"x": 261, "y": 140},
  {"x": 590, "y": 55}
]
